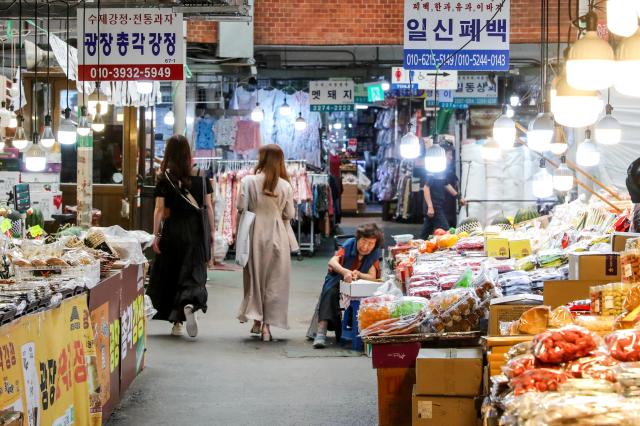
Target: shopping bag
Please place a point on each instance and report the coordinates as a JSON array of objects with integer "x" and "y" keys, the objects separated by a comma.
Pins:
[{"x": 243, "y": 238}]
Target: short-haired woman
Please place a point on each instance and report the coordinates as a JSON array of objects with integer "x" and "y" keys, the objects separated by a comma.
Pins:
[
  {"x": 358, "y": 258},
  {"x": 266, "y": 275},
  {"x": 179, "y": 272}
]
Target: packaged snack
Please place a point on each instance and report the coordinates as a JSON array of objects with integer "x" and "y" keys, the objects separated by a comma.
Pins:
[
  {"x": 632, "y": 298},
  {"x": 406, "y": 316},
  {"x": 518, "y": 365},
  {"x": 560, "y": 317},
  {"x": 597, "y": 366},
  {"x": 563, "y": 345},
  {"x": 535, "y": 320},
  {"x": 630, "y": 262},
  {"x": 624, "y": 345},
  {"x": 519, "y": 349},
  {"x": 609, "y": 299},
  {"x": 596, "y": 323},
  {"x": 456, "y": 310},
  {"x": 538, "y": 380}
]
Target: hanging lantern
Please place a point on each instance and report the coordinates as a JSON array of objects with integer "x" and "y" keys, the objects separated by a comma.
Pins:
[{"x": 608, "y": 130}]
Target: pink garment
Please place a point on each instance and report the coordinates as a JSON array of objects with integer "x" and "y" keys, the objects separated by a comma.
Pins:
[
  {"x": 228, "y": 231},
  {"x": 247, "y": 136}
]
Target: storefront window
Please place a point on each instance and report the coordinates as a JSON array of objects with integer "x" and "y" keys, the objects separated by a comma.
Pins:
[{"x": 107, "y": 148}]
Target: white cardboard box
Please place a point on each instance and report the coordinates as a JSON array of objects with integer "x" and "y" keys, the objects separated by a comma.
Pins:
[
  {"x": 359, "y": 288},
  {"x": 7, "y": 181},
  {"x": 44, "y": 202}
]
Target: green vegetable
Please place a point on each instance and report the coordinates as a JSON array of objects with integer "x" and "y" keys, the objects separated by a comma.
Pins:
[{"x": 34, "y": 218}]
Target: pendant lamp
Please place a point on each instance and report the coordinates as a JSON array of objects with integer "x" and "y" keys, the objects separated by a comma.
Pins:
[
  {"x": 591, "y": 63},
  {"x": 622, "y": 17},
  {"x": 257, "y": 114},
  {"x": 67, "y": 134},
  {"x": 97, "y": 124},
  {"x": 285, "y": 109},
  {"x": 169, "y": 118},
  {"x": 504, "y": 131},
  {"x": 542, "y": 182},
  {"x": 144, "y": 87},
  {"x": 13, "y": 119},
  {"x": 563, "y": 177},
  {"x": 83, "y": 123},
  {"x": 540, "y": 132},
  {"x": 559, "y": 145},
  {"x": 409, "y": 145},
  {"x": 300, "y": 123},
  {"x": 575, "y": 108},
  {"x": 628, "y": 62},
  {"x": 608, "y": 130},
  {"x": 435, "y": 160},
  {"x": 587, "y": 154},
  {"x": 20, "y": 140},
  {"x": 48, "y": 139},
  {"x": 337, "y": 125},
  {"x": 491, "y": 150}
]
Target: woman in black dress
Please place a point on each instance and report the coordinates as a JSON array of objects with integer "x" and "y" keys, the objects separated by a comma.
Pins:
[{"x": 182, "y": 240}]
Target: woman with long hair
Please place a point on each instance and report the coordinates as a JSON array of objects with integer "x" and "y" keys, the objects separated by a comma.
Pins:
[
  {"x": 182, "y": 240},
  {"x": 269, "y": 195}
]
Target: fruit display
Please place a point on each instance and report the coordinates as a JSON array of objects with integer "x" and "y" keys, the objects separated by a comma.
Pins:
[
  {"x": 526, "y": 214},
  {"x": 502, "y": 222},
  {"x": 538, "y": 380},
  {"x": 624, "y": 345},
  {"x": 470, "y": 225},
  {"x": 563, "y": 345}
]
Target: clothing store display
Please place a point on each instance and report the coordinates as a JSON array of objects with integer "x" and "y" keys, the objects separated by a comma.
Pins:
[
  {"x": 204, "y": 134},
  {"x": 179, "y": 272},
  {"x": 387, "y": 177},
  {"x": 244, "y": 99},
  {"x": 225, "y": 131},
  {"x": 247, "y": 137},
  {"x": 267, "y": 274}
]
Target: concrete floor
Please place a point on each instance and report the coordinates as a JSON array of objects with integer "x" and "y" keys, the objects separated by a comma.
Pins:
[{"x": 227, "y": 377}]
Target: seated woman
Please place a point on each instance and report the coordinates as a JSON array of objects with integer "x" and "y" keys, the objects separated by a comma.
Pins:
[{"x": 358, "y": 258}]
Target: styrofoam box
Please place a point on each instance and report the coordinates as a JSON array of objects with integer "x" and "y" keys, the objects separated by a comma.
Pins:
[{"x": 359, "y": 288}]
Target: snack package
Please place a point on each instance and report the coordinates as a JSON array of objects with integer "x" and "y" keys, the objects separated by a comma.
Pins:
[
  {"x": 596, "y": 323},
  {"x": 564, "y": 345},
  {"x": 597, "y": 366},
  {"x": 374, "y": 309},
  {"x": 624, "y": 345},
  {"x": 609, "y": 299},
  {"x": 406, "y": 314},
  {"x": 534, "y": 320},
  {"x": 456, "y": 310},
  {"x": 518, "y": 365},
  {"x": 560, "y": 317},
  {"x": 630, "y": 263},
  {"x": 518, "y": 349},
  {"x": 538, "y": 380},
  {"x": 632, "y": 298},
  {"x": 485, "y": 285},
  {"x": 465, "y": 280}
]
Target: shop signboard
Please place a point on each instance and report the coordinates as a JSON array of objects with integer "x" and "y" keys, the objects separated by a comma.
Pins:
[
  {"x": 445, "y": 98},
  {"x": 332, "y": 95},
  {"x": 133, "y": 44},
  {"x": 476, "y": 90},
  {"x": 402, "y": 78},
  {"x": 470, "y": 35},
  {"x": 361, "y": 94}
]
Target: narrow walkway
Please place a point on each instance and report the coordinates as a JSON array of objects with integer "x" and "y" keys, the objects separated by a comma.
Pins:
[{"x": 227, "y": 377}]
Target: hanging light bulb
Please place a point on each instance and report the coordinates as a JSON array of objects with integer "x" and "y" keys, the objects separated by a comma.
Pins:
[
  {"x": 300, "y": 123},
  {"x": 587, "y": 154},
  {"x": 410, "y": 145},
  {"x": 491, "y": 150},
  {"x": 97, "y": 125},
  {"x": 504, "y": 131},
  {"x": 48, "y": 139},
  {"x": 67, "y": 134},
  {"x": 562, "y": 178},
  {"x": 591, "y": 63},
  {"x": 257, "y": 114},
  {"x": 575, "y": 108},
  {"x": 435, "y": 160},
  {"x": 337, "y": 125},
  {"x": 542, "y": 182},
  {"x": 608, "y": 130},
  {"x": 514, "y": 100},
  {"x": 509, "y": 112},
  {"x": 93, "y": 106},
  {"x": 13, "y": 119},
  {"x": 83, "y": 123},
  {"x": 20, "y": 140},
  {"x": 5, "y": 115},
  {"x": 559, "y": 145},
  {"x": 144, "y": 87},
  {"x": 285, "y": 109},
  {"x": 169, "y": 118},
  {"x": 628, "y": 62},
  {"x": 622, "y": 17},
  {"x": 385, "y": 86},
  {"x": 35, "y": 158},
  {"x": 540, "y": 132}
]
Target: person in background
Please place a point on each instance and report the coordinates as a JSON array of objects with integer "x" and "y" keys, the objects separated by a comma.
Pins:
[
  {"x": 436, "y": 186},
  {"x": 633, "y": 186},
  {"x": 450, "y": 201},
  {"x": 357, "y": 259},
  {"x": 179, "y": 272},
  {"x": 267, "y": 273}
]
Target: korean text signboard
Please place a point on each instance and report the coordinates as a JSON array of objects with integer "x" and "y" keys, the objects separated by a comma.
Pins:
[
  {"x": 476, "y": 90},
  {"x": 133, "y": 44},
  {"x": 434, "y": 31},
  {"x": 330, "y": 96},
  {"x": 423, "y": 79}
]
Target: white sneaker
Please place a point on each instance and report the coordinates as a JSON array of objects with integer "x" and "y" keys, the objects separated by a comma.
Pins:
[
  {"x": 177, "y": 329},
  {"x": 192, "y": 321}
]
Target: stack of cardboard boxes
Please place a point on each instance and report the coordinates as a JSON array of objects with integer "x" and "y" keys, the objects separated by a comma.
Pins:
[{"x": 448, "y": 386}]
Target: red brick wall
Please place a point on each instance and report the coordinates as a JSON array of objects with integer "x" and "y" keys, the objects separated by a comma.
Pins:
[{"x": 377, "y": 22}]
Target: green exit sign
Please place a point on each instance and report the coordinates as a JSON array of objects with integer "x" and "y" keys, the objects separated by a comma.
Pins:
[{"x": 375, "y": 93}]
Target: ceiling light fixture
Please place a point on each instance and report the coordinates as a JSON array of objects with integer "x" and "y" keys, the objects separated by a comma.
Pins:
[
  {"x": 587, "y": 154},
  {"x": 628, "y": 66},
  {"x": 563, "y": 177},
  {"x": 542, "y": 182},
  {"x": 67, "y": 130}
]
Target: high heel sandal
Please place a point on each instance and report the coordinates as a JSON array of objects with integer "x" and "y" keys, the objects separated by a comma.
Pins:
[
  {"x": 266, "y": 337},
  {"x": 256, "y": 329}
]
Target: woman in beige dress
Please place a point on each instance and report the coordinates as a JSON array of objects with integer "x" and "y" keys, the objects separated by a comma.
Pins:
[{"x": 266, "y": 275}]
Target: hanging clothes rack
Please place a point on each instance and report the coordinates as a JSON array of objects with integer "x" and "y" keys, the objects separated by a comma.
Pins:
[{"x": 310, "y": 247}]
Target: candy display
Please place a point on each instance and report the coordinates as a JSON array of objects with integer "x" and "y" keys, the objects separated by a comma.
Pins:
[{"x": 563, "y": 345}]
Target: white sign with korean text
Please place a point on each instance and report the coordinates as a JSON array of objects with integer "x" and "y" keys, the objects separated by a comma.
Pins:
[
  {"x": 332, "y": 95},
  {"x": 423, "y": 79},
  {"x": 476, "y": 90},
  {"x": 470, "y": 35},
  {"x": 133, "y": 44}
]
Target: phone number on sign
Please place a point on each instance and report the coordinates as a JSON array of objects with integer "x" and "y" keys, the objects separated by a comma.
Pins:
[
  {"x": 463, "y": 60},
  {"x": 130, "y": 72}
]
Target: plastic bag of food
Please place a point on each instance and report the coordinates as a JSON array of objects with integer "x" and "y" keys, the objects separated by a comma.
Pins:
[
  {"x": 560, "y": 317},
  {"x": 406, "y": 314},
  {"x": 528, "y": 263},
  {"x": 522, "y": 348},
  {"x": 534, "y": 320},
  {"x": 462, "y": 315},
  {"x": 518, "y": 365},
  {"x": 389, "y": 288},
  {"x": 538, "y": 380},
  {"x": 465, "y": 280},
  {"x": 596, "y": 323},
  {"x": 485, "y": 285},
  {"x": 423, "y": 291},
  {"x": 597, "y": 366},
  {"x": 564, "y": 345},
  {"x": 374, "y": 309},
  {"x": 220, "y": 248},
  {"x": 624, "y": 345}
]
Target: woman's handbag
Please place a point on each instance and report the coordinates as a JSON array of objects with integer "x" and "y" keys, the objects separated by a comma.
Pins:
[
  {"x": 243, "y": 238},
  {"x": 206, "y": 226}
]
